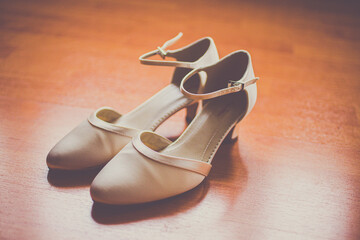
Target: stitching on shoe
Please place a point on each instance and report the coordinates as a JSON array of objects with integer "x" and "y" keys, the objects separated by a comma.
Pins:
[{"x": 171, "y": 112}]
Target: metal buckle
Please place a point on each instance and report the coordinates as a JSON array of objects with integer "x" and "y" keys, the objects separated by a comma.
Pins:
[
  {"x": 243, "y": 84},
  {"x": 162, "y": 53},
  {"x": 233, "y": 83}
]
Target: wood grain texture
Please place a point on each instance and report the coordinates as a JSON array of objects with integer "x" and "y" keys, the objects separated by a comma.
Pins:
[{"x": 293, "y": 174}]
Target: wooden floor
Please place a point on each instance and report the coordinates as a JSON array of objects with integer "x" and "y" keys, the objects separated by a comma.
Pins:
[{"x": 293, "y": 174}]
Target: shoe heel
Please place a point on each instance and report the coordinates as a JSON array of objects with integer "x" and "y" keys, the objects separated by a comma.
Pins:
[
  {"x": 232, "y": 135},
  {"x": 191, "y": 112}
]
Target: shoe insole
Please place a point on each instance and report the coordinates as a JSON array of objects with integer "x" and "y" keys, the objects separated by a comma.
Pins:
[
  {"x": 150, "y": 114},
  {"x": 155, "y": 110},
  {"x": 204, "y": 135}
]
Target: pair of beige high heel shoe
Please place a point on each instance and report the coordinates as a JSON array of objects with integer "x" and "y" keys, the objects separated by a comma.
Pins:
[{"x": 142, "y": 166}]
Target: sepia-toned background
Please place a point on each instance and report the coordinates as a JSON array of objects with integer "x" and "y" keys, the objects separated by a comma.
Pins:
[{"x": 294, "y": 172}]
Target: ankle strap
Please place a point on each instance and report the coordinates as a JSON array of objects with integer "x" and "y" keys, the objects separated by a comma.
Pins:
[
  {"x": 233, "y": 86},
  {"x": 166, "y": 53}
]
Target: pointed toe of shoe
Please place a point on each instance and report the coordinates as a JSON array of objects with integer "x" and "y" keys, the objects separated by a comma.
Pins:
[
  {"x": 84, "y": 147},
  {"x": 131, "y": 178},
  {"x": 105, "y": 191},
  {"x": 56, "y": 160},
  {"x": 110, "y": 187},
  {"x": 99, "y": 192},
  {"x": 64, "y": 157}
]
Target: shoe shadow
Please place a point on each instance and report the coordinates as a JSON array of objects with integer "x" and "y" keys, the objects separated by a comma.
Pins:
[
  {"x": 121, "y": 214},
  {"x": 67, "y": 178},
  {"x": 229, "y": 174},
  {"x": 228, "y": 165}
]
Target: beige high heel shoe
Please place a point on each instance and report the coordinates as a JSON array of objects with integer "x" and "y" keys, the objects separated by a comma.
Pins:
[
  {"x": 99, "y": 138},
  {"x": 152, "y": 167}
]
